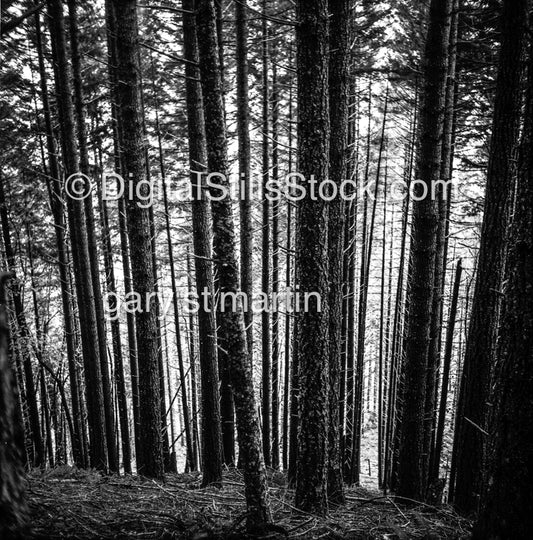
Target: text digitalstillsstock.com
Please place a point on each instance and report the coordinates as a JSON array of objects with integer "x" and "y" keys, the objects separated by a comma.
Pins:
[{"x": 214, "y": 186}]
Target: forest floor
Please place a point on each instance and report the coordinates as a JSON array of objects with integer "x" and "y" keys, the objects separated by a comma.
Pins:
[{"x": 70, "y": 503}]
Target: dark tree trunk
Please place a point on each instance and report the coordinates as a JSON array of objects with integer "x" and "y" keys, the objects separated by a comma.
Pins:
[
  {"x": 443, "y": 201},
  {"x": 211, "y": 438},
  {"x": 91, "y": 239},
  {"x": 507, "y": 499},
  {"x": 434, "y": 472},
  {"x": 124, "y": 245},
  {"x": 139, "y": 234},
  {"x": 481, "y": 340},
  {"x": 232, "y": 336},
  {"x": 56, "y": 205},
  {"x": 79, "y": 244},
  {"x": 275, "y": 268},
  {"x": 338, "y": 110},
  {"x": 23, "y": 337},
  {"x": 265, "y": 252},
  {"x": 423, "y": 250},
  {"x": 243, "y": 122},
  {"x": 13, "y": 510},
  {"x": 312, "y": 57}
]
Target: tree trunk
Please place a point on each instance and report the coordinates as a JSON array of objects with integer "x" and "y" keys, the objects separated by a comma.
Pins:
[
  {"x": 265, "y": 252},
  {"x": 23, "y": 337},
  {"x": 211, "y": 438},
  {"x": 79, "y": 245},
  {"x": 481, "y": 340},
  {"x": 232, "y": 336},
  {"x": 243, "y": 133},
  {"x": 56, "y": 205},
  {"x": 338, "y": 110},
  {"x": 312, "y": 41},
  {"x": 139, "y": 234},
  {"x": 13, "y": 510},
  {"x": 91, "y": 240},
  {"x": 275, "y": 269},
  {"x": 423, "y": 251},
  {"x": 507, "y": 499},
  {"x": 434, "y": 472}
]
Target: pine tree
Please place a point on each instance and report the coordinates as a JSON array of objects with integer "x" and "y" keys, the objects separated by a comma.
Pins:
[{"x": 312, "y": 255}]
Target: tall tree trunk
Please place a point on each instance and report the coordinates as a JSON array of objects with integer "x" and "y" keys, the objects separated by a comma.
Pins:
[
  {"x": 507, "y": 498},
  {"x": 243, "y": 132},
  {"x": 91, "y": 239},
  {"x": 124, "y": 244},
  {"x": 120, "y": 382},
  {"x": 312, "y": 254},
  {"x": 338, "y": 110},
  {"x": 56, "y": 205},
  {"x": 443, "y": 195},
  {"x": 232, "y": 336},
  {"x": 23, "y": 337},
  {"x": 423, "y": 251},
  {"x": 13, "y": 515},
  {"x": 275, "y": 268},
  {"x": 139, "y": 234},
  {"x": 201, "y": 223},
  {"x": 479, "y": 353},
  {"x": 79, "y": 245},
  {"x": 265, "y": 252},
  {"x": 439, "y": 437}
]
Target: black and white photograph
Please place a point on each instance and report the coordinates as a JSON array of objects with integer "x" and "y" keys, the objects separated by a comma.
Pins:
[{"x": 266, "y": 269}]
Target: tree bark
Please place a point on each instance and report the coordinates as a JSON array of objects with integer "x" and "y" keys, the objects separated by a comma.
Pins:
[
  {"x": 211, "y": 438},
  {"x": 13, "y": 509},
  {"x": 481, "y": 340},
  {"x": 312, "y": 39},
  {"x": 79, "y": 245},
  {"x": 338, "y": 111},
  {"x": 423, "y": 253},
  {"x": 507, "y": 498},
  {"x": 232, "y": 336},
  {"x": 139, "y": 234}
]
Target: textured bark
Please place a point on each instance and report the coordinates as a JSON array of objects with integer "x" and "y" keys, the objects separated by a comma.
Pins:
[
  {"x": 23, "y": 337},
  {"x": 311, "y": 253},
  {"x": 265, "y": 251},
  {"x": 338, "y": 110},
  {"x": 434, "y": 472},
  {"x": 275, "y": 269},
  {"x": 134, "y": 169},
  {"x": 444, "y": 202},
  {"x": 79, "y": 245},
  {"x": 232, "y": 336},
  {"x": 192, "y": 363},
  {"x": 508, "y": 499},
  {"x": 243, "y": 133},
  {"x": 13, "y": 510},
  {"x": 479, "y": 353},
  {"x": 79, "y": 109},
  {"x": 423, "y": 250},
  {"x": 211, "y": 438},
  {"x": 122, "y": 226},
  {"x": 80, "y": 459},
  {"x": 120, "y": 383}
]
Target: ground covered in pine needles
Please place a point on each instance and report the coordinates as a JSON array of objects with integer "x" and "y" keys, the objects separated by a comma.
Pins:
[{"x": 69, "y": 503}]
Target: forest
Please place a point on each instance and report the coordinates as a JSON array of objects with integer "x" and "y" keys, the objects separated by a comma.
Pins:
[{"x": 266, "y": 269}]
